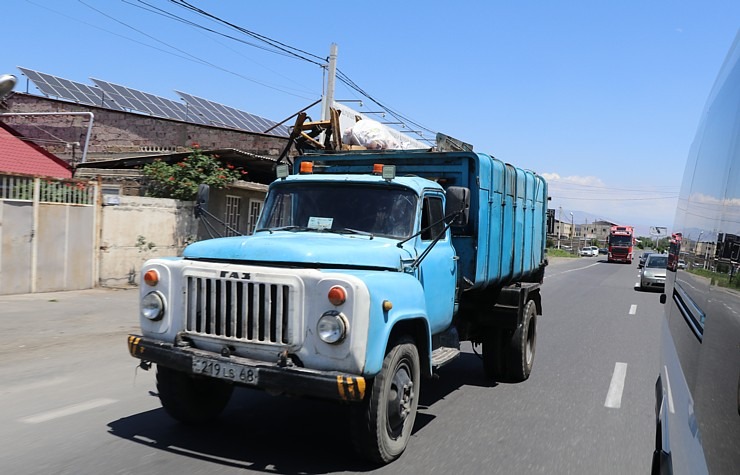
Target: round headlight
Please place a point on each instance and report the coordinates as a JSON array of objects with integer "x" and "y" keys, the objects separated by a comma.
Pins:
[
  {"x": 152, "y": 306},
  {"x": 332, "y": 327}
]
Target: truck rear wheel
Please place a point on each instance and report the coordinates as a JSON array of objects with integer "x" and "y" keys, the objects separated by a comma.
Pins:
[
  {"x": 191, "y": 400},
  {"x": 508, "y": 356},
  {"x": 382, "y": 423}
]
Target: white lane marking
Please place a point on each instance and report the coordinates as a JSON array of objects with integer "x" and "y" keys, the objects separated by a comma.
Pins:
[
  {"x": 67, "y": 411},
  {"x": 633, "y": 309},
  {"x": 668, "y": 390},
  {"x": 614, "y": 395},
  {"x": 22, "y": 388},
  {"x": 573, "y": 270}
]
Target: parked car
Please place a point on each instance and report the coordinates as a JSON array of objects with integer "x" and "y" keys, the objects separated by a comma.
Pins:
[
  {"x": 681, "y": 264},
  {"x": 603, "y": 250},
  {"x": 653, "y": 272},
  {"x": 641, "y": 262},
  {"x": 589, "y": 251},
  {"x": 697, "y": 394}
]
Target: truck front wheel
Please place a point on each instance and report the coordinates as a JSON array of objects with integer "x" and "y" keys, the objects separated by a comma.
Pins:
[
  {"x": 191, "y": 400},
  {"x": 508, "y": 356},
  {"x": 382, "y": 423}
]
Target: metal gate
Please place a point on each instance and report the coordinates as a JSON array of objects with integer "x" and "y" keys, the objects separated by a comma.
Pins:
[{"x": 47, "y": 234}]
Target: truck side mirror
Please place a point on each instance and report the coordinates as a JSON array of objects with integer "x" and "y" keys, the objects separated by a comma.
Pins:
[
  {"x": 201, "y": 200},
  {"x": 458, "y": 204}
]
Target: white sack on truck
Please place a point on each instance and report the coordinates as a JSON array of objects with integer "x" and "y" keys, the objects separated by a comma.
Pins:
[{"x": 372, "y": 135}]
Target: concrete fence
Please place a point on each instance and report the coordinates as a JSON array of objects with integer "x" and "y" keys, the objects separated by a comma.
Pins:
[{"x": 135, "y": 229}]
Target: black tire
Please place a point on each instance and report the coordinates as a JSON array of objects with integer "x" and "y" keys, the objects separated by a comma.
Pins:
[
  {"x": 508, "y": 356},
  {"x": 189, "y": 399},
  {"x": 382, "y": 423}
]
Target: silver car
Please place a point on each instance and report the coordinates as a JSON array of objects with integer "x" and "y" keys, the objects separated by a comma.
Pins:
[{"x": 653, "y": 272}]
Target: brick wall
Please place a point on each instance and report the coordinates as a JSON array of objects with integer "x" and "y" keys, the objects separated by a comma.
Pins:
[{"x": 122, "y": 134}]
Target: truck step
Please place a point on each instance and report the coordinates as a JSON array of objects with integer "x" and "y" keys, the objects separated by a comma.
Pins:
[{"x": 443, "y": 355}]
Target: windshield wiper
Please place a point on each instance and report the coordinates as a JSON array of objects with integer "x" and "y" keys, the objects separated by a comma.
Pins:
[
  {"x": 326, "y": 230},
  {"x": 288, "y": 228},
  {"x": 353, "y": 231},
  {"x": 345, "y": 231}
]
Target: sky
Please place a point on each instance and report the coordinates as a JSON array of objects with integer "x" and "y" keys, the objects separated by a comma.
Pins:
[{"x": 602, "y": 98}]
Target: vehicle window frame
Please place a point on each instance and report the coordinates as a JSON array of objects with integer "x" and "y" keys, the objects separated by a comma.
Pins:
[{"x": 432, "y": 214}]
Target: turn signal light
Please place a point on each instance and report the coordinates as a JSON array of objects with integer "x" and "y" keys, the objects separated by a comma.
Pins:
[
  {"x": 377, "y": 168},
  {"x": 337, "y": 295},
  {"x": 151, "y": 277}
]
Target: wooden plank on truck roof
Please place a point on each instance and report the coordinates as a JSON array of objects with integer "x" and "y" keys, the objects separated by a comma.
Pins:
[{"x": 311, "y": 140}]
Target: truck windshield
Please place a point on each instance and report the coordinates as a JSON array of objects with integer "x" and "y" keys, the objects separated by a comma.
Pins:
[
  {"x": 334, "y": 207},
  {"x": 620, "y": 240}
]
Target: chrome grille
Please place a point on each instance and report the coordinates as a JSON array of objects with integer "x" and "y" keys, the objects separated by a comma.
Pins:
[{"x": 240, "y": 310}]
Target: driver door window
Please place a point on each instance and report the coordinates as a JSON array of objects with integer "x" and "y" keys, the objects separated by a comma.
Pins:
[{"x": 432, "y": 217}]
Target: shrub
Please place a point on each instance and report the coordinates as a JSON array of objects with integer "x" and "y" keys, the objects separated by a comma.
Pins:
[{"x": 180, "y": 180}]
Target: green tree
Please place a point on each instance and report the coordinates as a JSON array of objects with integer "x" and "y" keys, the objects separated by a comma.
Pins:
[{"x": 180, "y": 180}]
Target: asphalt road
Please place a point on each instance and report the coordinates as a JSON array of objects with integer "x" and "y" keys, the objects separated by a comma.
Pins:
[{"x": 73, "y": 401}]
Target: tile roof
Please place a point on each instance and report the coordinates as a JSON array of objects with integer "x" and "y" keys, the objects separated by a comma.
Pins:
[{"x": 18, "y": 156}]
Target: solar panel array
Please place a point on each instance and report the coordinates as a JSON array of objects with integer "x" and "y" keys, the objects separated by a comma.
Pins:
[
  {"x": 226, "y": 116},
  {"x": 121, "y": 98},
  {"x": 70, "y": 90},
  {"x": 135, "y": 100}
]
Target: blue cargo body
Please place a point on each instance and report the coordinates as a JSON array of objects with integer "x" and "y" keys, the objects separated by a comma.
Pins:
[{"x": 504, "y": 240}]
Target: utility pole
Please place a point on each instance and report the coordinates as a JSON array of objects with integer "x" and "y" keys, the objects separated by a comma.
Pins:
[
  {"x": 560, "y": 223},
  {"x": 572, "y": 232},
  {"x": 331, "y": 73}
]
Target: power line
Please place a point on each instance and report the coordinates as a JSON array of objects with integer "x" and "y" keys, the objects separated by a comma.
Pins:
[
  {"x": 562, "y": 184},
  {"x": 187, "y": 55},
  {"x": 171, "y": 16},
  {"x": 301, "y": 54},
  {"x": 616, "y": 199},
  {"x": 273, "y": 46},
  {"x": 272, "y": 42}
]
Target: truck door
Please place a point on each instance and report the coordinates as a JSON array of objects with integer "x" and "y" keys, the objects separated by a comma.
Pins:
[{"x": 438, "y": 270}]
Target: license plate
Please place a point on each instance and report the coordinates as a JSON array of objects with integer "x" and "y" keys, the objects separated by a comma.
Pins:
[{"x": 228, "y": 371}]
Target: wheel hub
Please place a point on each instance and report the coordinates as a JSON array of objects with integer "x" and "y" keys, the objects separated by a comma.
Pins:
[{"x": 400, "y": 400}]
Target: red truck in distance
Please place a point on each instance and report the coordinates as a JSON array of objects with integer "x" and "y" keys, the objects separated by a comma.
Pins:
[
  {"x": 621, "y": 241},
  {"x": 674, "y": 251}
]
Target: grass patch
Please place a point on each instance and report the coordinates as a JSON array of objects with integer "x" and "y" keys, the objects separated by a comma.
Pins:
[
  {"x": 552, "y": 252},
  {"x": 719, "y": 279}
]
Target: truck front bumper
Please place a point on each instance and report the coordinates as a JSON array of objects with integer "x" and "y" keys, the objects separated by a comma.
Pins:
[{"x": 272, "y": 377}]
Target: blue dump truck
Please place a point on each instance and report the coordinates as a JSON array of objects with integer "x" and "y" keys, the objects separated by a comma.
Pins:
[{"x": 365, "y": 272}]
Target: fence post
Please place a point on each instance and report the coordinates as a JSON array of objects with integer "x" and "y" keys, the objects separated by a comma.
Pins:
[
  {"x": 96, "y": 231},
  {"x": 34, "y": 231}
]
